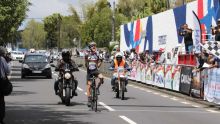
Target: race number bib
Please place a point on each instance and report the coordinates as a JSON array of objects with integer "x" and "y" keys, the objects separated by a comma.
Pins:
[{"x": 92, "y": 66}]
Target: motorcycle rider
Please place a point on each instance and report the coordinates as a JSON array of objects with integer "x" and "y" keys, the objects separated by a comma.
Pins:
[
  {"x": 66, "y": 58},
  {"x": 119, "y": 61},
  {"x": 92, "y": 63}
]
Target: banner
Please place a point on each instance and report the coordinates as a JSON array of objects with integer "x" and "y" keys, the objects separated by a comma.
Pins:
[
  {"x": 176, "y": 71},
  {"x": 185, "y": 79},
  {"x": 133, "y": 71},
  {"x": 149, "y": 74},
  {"x": 212, "y": 86},
  {"x": 209, "y": 86},
  {"x": 196, "y": 84},
  {"x": 138, "y": 73},
  {"x": 168, "y": 76},
  {"x": 197, "y": 33},
  {"x": 143, "y": 66},
  {"x": 159, "y": 76}
]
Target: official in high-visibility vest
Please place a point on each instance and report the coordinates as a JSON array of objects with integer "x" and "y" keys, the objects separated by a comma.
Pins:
[{"x": 119, "y": 61}]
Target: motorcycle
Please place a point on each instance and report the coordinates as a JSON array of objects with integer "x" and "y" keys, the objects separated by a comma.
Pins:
[
  {"x": 66, "y": 84},
  {"x": 121, "y": 77}
]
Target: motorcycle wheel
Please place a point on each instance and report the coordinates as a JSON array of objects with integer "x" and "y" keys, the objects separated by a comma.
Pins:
[
  {"x": 122, "y": 90},
  {"x": 67, "y": 97}
]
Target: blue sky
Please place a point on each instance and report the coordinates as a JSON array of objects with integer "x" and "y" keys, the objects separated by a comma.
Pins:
[{"x": 43, "y": 8}]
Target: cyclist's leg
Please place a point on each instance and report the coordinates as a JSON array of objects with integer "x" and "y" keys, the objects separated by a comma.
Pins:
[
  {"x": 113, "y": 82},
  {"x": 100, "y": 76},
  {"x": 88, "y": 89}
]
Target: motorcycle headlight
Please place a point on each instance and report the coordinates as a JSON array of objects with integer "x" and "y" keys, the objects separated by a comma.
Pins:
[
  {"x": 67, "y": 75},
  {"x": 25, "y": 66},
  {"x": 47, "y": 66}
]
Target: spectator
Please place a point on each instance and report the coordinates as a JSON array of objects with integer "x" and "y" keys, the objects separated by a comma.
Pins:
[
  {"x": 216, "y": 31},
  {"x": 187, "y": 34},
  {"x": 77, "y": 52},
  {"x": 162, "y": 58},
  {"x": 4, "y": 71}
]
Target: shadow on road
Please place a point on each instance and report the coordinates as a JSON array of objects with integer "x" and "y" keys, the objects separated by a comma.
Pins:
[
  {"x": 16, "y": 69},
  {"x": 40, "y": 115},
  {"x": 18, "y": 93}
]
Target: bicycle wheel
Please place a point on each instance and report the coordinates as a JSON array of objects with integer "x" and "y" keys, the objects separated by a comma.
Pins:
[
  {"x": 92, "y": 96},
  {"x": 95, "y": 99},
  {"x": 122, "y": 90}
]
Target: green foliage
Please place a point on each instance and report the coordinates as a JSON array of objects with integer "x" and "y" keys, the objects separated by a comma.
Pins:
[
  {"x": 12, "y": 13},
  {"x": 63, "y": 31},
  {"x": 34, "y": 35},
  {"x": 52, "y": 25}
]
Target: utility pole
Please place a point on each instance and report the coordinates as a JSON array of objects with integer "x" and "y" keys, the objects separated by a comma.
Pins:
[
  {"x": 59, "y": 27},
  {"x": 113, "y": 22}
]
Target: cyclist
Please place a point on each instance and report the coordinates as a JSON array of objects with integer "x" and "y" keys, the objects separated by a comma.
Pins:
[
  {"x": 66, "y": 58},
  {"x": 92, "y": 63},
  {"x": 119, "y": 61}
]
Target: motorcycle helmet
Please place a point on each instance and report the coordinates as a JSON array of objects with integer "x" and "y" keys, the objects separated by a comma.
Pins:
[
  {"x": 66, "y": 54},
  {"x": 118, "y": 56}
]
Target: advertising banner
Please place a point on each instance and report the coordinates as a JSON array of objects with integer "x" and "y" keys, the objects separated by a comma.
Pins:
[
  {"x": 176, "y": 71},
  {"x": 212, "y": 86},
  {"x": 159, "y": 76},
  {"x": 196, "y": 84},
  {"x": 217, "y": 87},
  {"x": 143, "y": 66},
  {"x": 133, "y": 71},
  {"x": 185, "y": 79},
  {"x": 149, "y": 74},
  {"x": 138, "y": 73},
  {"x": 168, "y": 76},
  {"x": 209, "y": 86}
]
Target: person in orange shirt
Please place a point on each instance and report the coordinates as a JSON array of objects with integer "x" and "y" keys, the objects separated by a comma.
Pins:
[{"x": 119, "y": 61}]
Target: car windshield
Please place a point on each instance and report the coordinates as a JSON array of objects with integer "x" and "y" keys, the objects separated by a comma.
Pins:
[{"x": 36, "y": 58}]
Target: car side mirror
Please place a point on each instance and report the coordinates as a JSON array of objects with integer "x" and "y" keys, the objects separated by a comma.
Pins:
[{"x": 20, "y": 61}]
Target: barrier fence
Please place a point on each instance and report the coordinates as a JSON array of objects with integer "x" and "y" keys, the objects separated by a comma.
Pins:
[{"x": 204, "y": 84}]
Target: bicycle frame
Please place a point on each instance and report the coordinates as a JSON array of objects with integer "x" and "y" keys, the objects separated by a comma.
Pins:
[{"x": 94, "y": 94}]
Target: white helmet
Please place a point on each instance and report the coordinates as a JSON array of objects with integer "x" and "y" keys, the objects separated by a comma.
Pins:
[{"x": 118, "y": 55}]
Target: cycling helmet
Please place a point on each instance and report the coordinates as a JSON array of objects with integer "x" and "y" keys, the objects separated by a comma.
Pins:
[{"x": 91, "y": 44}]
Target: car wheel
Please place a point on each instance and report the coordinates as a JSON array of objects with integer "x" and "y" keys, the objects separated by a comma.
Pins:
[
  {"x": 49, "y": 77},
  {"x": 22, "y": 76}
]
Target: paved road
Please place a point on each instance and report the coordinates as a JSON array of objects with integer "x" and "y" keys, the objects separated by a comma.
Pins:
[{"x": 33, "y": 102}]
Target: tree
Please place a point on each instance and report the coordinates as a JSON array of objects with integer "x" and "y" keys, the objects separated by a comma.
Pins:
[
  {"x": 33, "y": 35},
  {"x": 12, "y": 13},
  {"x": 52, "y": 25},
  {"x": 98, "y": 26}
]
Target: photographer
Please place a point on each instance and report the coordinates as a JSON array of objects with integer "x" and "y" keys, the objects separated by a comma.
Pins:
[
  {"x": 216, "y": 31},
  {"x": 187, "y": 34},
  {"x": 4, "y": 71}
]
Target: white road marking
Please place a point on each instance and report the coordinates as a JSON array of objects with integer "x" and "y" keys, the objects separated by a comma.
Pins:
[
  {"x": 185, "y": 103},
  {"x": 82, "y": 70},
  {"x": 212, "y": 111},
  {"x": 155, "y": 93},
  {"x": 78, "y": 88},
  {"x": 86, "y": 93},
  {"x": 196, "y": 106},
  {"x": 165, "y": 96},
  {"x": 106, "y": 106},
  {"x": 174, "y": 98},
  {"x": 127, "y": 119}
]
